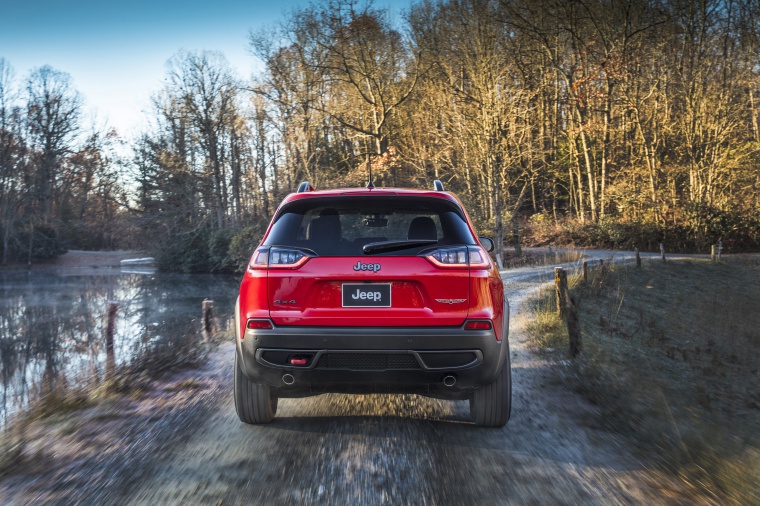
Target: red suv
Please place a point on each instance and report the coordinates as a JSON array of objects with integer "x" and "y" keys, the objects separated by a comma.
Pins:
[{"x": 377, "y": 290}]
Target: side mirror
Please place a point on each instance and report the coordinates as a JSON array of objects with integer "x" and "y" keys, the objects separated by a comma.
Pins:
[{"x": 487, "y": 243}]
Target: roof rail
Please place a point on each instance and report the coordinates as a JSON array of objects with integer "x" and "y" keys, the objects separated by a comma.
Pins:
[
  {"x": 437, "y": 185},
  {"x": 305, "y": 187}
]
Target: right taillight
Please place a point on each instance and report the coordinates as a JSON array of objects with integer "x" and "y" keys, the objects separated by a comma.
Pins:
[
  {"x": 481, "y": 325},
  {"x": 459, "y": 257},
  {"x": 276, "y": 257},
  {"x": 478, "y": 325},
  {"x": 478, "y": 258},
  {"x": 448, "y": 258}
]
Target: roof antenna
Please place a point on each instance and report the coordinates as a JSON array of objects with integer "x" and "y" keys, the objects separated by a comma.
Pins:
[{"x": 370, "y": 185}]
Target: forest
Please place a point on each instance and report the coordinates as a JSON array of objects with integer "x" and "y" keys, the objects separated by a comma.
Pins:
[{"x": 612, "y": 123}]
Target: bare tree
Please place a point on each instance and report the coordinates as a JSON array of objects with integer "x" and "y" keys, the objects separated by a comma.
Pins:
[
  {"x": 486, "y": 100},
  {"x": 53, "y": 114},
  {"x": 344, "y": 61},
  {"x": 207, "y": 89},
  {"x": 12, "y": 152}
]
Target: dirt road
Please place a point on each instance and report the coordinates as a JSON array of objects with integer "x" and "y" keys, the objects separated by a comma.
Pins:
[{"x": 378, "y": 449}]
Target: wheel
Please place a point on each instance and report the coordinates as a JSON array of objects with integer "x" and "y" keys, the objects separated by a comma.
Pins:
[
  {"x": 254, "y": 402},
  {"x": 491, "y": 405}
]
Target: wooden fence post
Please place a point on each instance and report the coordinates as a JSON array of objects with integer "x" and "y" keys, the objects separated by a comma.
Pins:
[
  {"x": 638, "y": 257},
  {"x": 573, "y": 326},
  {"x": 568, "y": 311},
  {"x": 208, "y": 319},
  {"x": 560, "y": 288},
  {"x": 662, "y": 252},
  {"x": 111, "y": 309},
  {"x": 585, "y": 272}
]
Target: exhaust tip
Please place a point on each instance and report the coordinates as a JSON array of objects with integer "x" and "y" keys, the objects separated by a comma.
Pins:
[
  {"x": 449, "y": 380},
  {"x": 288, "y": 379}
]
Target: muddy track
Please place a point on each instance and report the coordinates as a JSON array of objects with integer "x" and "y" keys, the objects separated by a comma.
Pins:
[{"x": 371, "y": 449}]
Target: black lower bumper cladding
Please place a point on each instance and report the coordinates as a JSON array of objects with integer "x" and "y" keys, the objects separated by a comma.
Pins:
[{"x": 447, "y": 362}]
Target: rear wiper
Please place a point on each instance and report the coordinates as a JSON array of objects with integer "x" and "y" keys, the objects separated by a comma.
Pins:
[{"x": 376, "y": 247}]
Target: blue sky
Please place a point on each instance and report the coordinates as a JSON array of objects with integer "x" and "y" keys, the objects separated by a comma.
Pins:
[{"x": 116, "y": 50}]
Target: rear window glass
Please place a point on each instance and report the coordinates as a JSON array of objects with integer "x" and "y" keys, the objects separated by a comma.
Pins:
[{"x": 341, "y": 226}]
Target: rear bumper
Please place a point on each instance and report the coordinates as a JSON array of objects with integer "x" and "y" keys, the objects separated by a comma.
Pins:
[{"x": 373, "y": 359}]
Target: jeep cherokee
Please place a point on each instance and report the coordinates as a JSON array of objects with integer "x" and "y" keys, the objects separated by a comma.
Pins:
[{"x": 376, "y": 290}]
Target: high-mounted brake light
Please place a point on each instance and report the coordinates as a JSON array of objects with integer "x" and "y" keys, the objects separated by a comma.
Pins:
[
  {"x": 459, "y": 257},
  {"x": 278, "y": 258}
]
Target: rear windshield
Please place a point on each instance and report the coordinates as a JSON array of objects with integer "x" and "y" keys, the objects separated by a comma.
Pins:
[{"x": 341, "y": 226}]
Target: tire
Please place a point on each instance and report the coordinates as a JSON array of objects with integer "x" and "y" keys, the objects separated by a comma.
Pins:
[
  {"x": 254, "y": 402},
  {"x": 491, "y": 405}
]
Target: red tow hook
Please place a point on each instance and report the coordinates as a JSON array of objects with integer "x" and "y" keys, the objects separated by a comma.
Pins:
[{"x": 298, "y": 361}]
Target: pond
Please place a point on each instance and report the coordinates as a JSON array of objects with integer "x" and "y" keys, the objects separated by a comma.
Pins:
[{"x": 52, "y": 324}]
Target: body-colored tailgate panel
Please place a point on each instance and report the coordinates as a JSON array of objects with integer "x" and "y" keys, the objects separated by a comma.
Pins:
[{"x": 421, "y": 294}]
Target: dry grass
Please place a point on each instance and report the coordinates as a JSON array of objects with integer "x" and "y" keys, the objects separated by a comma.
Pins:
[
  {"x": 547, "y": 331},
  {"x": 671, "y": 357}
]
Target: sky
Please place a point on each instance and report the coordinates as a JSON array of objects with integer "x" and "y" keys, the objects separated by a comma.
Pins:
[{"x": 116, "y": 50}]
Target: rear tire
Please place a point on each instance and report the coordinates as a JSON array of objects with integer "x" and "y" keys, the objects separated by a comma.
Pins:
[
  {"x": 491, "y": 405},
  {"x": 254, "y": 402}
]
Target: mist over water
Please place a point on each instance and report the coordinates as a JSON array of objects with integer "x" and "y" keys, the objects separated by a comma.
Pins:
[{"x": 52, "y": 325}]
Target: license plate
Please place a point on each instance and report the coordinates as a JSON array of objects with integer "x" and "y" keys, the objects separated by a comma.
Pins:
[{"x": 367, "y": 295}]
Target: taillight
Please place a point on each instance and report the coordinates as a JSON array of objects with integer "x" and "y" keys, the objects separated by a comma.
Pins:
[
  {"x": 478, "y": 258},
  {"x": 478, "y": 325},
  {"x": 257, "y": 324},
  {"x": 481, "y": 325},
  {"x": 278, "y": 258},
  {"x": 451, "y": 258},
  {"x": 260, "y": 259},
  {"x": 459, "y": 257}
]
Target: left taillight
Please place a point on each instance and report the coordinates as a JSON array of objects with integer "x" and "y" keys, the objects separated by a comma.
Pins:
[
  {"x": 275, "y": 257},
  {"x": 459, "y": 257},
  {"x": 259, "y": 323}
]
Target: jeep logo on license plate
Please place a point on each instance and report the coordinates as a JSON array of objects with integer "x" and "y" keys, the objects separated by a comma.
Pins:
[{"x": 366, "y": 295}]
